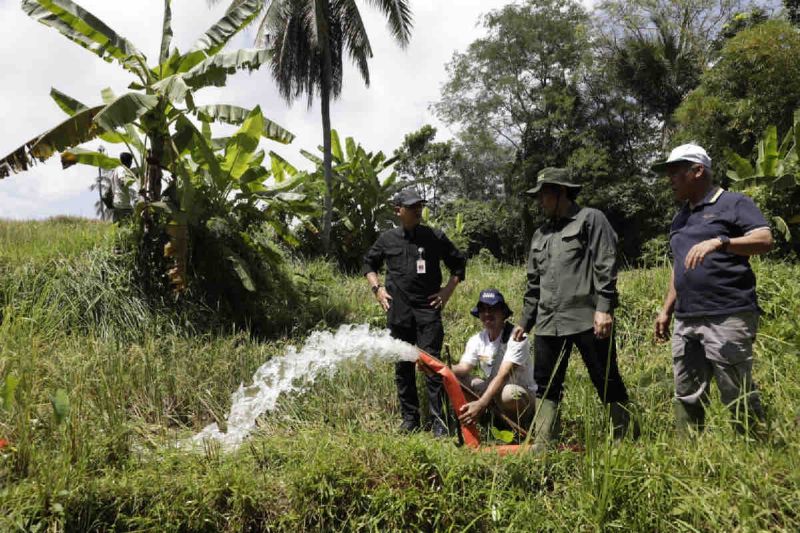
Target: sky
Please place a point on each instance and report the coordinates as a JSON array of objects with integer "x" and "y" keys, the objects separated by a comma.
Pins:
[{"x": 34, "y": 58}]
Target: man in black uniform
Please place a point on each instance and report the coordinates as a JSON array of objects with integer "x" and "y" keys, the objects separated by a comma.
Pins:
[{"x": 414, "y": 298}]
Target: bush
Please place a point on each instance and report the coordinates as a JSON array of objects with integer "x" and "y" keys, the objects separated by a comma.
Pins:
[{"x": 486, "y": 226}]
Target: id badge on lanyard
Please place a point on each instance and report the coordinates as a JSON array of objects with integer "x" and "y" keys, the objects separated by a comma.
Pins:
[{"x": 421, "y": 261}]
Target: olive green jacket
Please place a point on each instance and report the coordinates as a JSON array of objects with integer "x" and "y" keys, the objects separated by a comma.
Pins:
[{"x": 572, "y": 272}]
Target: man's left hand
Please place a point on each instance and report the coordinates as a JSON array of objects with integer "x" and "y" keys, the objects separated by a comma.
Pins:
[
  {"x": 471, "y": 412},
  {"x": 602, "y": 324},
  {"x": 699, "y": 251},
  {"x": 440, "y": 299}
]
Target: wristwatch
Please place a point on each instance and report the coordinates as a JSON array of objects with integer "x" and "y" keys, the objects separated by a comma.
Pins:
[
  {"x": 725, "y": 240},
  {"x": 375, "y": 288}
]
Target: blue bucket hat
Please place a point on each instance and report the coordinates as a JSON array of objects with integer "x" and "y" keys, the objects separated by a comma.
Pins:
[{"x": 491, "y": 297}]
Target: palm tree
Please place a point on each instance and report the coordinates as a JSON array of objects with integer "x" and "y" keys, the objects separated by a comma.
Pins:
[
  {"x": 660, "y": 70},
  {"x": 308, "y": 40}
]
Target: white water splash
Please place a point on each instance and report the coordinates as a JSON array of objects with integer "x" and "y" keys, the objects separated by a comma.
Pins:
[{"x": 296, "y": 370}]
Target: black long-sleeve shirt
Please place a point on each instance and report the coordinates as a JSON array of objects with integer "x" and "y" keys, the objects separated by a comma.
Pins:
[{"x": 400, "y": 250}]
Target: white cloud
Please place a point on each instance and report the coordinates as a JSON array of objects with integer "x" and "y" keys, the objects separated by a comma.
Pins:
[{"x": 34, "y": 57}]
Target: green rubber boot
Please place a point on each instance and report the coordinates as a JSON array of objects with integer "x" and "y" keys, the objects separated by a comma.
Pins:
[
  {"x": 545, "y": 423},
  {"x": 689, "y": 419},
  {"x": 624, "y": 418}
]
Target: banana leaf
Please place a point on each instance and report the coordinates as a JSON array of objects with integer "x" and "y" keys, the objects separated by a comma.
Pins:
[
  {"x": 68, "y": 105},
  {"x": 767, "y": 161},
  {"x": 76, "y": 156},
  {"x": 742, "y": 169},
  {"x": 784, "y": 183},
  {"x": 238, "y": 16},
  {"x": 173, "y": 88},
  {"x": 202, "y": 153},
  {"x": 783, "y": 228},
  {"x": 241, "y": 270},
  {"x": 239, "y": 151},
  {"x": 83, "y": 28},
  {"x": 166, "y": 32},
  {"x": 311, "y": 157},
  {"x": 75, "y": 130},
  {"x": 281, "y": 168},
  {"x": 125, "y": 110},
  {"x": 336, "y": 147},
  {"x": 231, "y": 114},
  {"x": 215, "y": 69}
]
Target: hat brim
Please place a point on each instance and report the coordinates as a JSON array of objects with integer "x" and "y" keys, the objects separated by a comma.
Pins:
[
  {"x": 661, "y": 166},
  {"x": 409, "y": 204},
  {"x": 507, "y": 309},
  {"x": 538, "y": 186}
]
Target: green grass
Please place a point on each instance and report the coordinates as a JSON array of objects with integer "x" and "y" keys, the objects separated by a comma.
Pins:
[
  {"x": 138, "y": 380},
  {"x": 37, "y": 241}
]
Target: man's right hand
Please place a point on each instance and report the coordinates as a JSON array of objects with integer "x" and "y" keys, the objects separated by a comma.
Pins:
[
  {"x": 518, "y": 334},
  {"x": 383, "y": 298},
  {"x": 662, "y": 326}
]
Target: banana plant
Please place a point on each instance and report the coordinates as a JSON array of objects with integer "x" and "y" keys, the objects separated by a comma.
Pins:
[
  {"x": 362, "y": 187},
  {"x": 227, "y": 186},
  {"x": 144, "y": 117},
  {"x": 775, "y": 168}
]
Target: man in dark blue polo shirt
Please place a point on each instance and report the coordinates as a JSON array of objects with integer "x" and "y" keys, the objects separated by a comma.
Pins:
[
  {"x": 413, "y": 297},
  {"x": 712, "y": 293}
]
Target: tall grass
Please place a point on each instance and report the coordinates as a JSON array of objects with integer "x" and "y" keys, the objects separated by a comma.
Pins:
[{"x": 140, "y": 379}]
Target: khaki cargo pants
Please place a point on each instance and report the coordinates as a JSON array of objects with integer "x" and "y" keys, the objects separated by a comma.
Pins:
[
  {"x": 719, "y": 347},
  {"x": 515, "y": 401}
]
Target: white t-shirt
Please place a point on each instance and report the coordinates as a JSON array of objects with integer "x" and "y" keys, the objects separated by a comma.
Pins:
[
  {"x": 488, "y": 355},
  {"x": 121, "y": 179}
]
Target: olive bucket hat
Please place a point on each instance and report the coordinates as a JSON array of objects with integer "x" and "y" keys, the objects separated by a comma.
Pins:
[{"x": 554, "y": 176}]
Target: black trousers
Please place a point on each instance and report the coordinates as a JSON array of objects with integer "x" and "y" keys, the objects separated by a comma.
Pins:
[
  {"x": 551, "y": 356},
  {"x": 426, "y": 332}
]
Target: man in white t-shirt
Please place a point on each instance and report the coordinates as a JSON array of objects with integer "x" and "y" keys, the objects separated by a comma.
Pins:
[
  {"x": 121, "y": 179},
  {"x": 506, "y": 364}
]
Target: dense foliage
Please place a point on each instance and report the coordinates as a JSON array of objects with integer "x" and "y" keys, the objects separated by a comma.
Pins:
[{"x": 750, "y": 87}]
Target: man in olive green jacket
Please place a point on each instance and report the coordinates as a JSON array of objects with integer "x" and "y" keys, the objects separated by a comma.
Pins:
[{"x": 570, "y": 298}]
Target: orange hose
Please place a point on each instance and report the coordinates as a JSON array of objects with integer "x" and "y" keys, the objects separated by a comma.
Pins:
[{"x": 453, "y": 389}]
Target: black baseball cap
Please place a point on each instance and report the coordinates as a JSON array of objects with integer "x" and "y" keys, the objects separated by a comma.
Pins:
[{"x": 407, "y": 197}]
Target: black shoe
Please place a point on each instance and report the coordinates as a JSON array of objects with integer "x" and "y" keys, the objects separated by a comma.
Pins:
[
  {"x": 409, "y": 426},
  {"x": 439, "y": 431}
]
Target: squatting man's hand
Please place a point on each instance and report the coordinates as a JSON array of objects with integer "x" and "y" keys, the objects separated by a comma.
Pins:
[
  {"x": 602, "y": 324},
  {"x": 518, "y": 334},
  {"x": 471, "y": 412},
  {"x": 699, "y": 251}
]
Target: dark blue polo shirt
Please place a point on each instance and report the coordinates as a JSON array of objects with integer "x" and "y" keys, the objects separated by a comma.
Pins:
[{"x": 724, "y": 283}]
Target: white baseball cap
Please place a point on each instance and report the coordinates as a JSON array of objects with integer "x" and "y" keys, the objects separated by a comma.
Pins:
[{"x": 685, "y": 152}]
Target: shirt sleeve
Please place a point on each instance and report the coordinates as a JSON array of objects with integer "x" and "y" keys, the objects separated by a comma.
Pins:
[
  {"x": 373, "y": 259},
  {"x": 748, "y": 216},
  {"x": 453, "y": 258},
  {"x": 603, "y": 242},
  {"x": 517, "y": 352},
  {"x": 470, "y": 356},
  {"x": 530, "y": 300}
]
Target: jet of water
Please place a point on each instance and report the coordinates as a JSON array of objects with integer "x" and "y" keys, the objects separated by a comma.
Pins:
[{"x": 296, "y": 371}]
